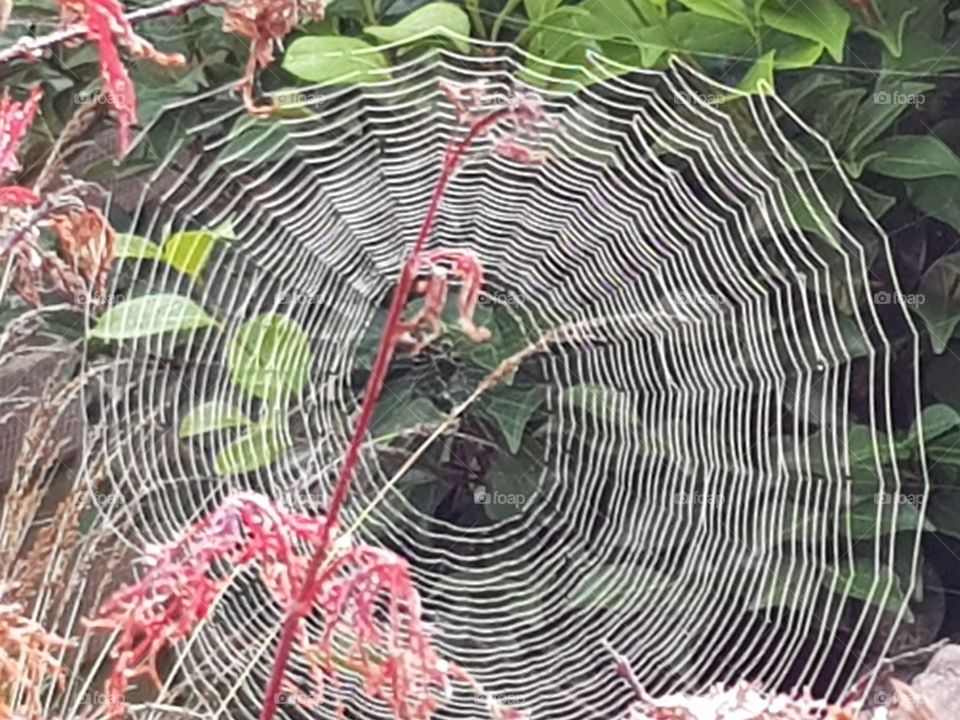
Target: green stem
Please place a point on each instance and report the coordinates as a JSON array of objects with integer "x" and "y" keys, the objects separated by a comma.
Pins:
[
  {"x": 502, "y": 17},
  {"x": 473, "y": 9}
]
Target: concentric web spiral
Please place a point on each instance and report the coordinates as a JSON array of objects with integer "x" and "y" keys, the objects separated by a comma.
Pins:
[{"x": 692, "y": 502}]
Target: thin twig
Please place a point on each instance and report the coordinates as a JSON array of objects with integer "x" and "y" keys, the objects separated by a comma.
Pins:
[{"x": 32, "y": 47}]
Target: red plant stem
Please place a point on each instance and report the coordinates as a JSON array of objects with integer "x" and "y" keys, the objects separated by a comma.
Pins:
[{"x": 451, "y": 161}]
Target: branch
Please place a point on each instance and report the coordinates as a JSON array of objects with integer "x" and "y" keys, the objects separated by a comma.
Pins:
[{"x": 32, "y": 47}]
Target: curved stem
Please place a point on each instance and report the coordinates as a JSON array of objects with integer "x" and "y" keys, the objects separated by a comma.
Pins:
[{"x": 392, "y": 332}]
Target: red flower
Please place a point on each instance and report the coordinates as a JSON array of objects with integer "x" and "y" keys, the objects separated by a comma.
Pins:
[
  {"x": 15, "y": 121},
  {"x": 109, "y": 29}
]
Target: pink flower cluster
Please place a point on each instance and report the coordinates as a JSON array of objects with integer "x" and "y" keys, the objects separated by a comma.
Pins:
[
  {"x": 370, "y": 608},
  {"x": 15, "y": 121}
]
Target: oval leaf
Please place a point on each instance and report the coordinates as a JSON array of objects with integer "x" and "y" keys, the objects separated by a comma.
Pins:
[
  {"x": 270, "y": 356},
  {"x": 332, "y": 59},
  {"x": 262, "y": 446},
  {"x": 211, "y": 416},
  {"x": 150, "y": 315},
  {"x": 913, "y": 156},
  {"x": 434, "y": 19},
  {"x": 135, "y": 246}
]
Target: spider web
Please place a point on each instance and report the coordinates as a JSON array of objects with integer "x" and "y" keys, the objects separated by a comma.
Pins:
[{"x": 691, "y": 505}]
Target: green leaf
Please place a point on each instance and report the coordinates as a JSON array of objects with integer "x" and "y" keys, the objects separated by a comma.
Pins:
[
  {"x": 400, "y": 409},
  {"x": 822, "y": 21},
  {"x": 874, "y": 516},
  {"x": 937, "y": 197},
  {"x": 913, "y": 156},
  {"x": 692, "y": 32},
  {"x": 270, "y": 357},
  {"x": 940, "y": 306},
  {"x": 135, "y": 246},
  {"x": 189, "y": 251},
  {"x": 894, "y": 15},
  {"x": 210, "y": 416},
  {"x": 607, "y": 19},
  {"x": 260, "y": 447},
  {"x": 511, "y": 408},
  {"x": 151, "y": 315},
  {"x": 334, "y": 59},
  {"x": 759, "y": 78},
  {"x": 732, "y": 11},
  {"x": 621, "y": 588},
  {"x": 936, "y": 420},
  {"x": 538, "y": 9},
  {"x": 881, "y": 109},
  {"x": 439, "y": 18}
]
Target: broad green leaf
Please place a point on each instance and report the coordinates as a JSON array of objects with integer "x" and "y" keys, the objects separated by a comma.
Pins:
[
  {"x": 936, "y": 421},
  {"x": 944, "y": 451},
  {"x": 621, "y": 588},
  {"x": 511, "y": 408},
  {"x": 257, "y": 140},
  {"x": 823, "y": 21},
  {"x": 606, "y": 19},
  {"x": 511, "y": 482},
  {"x": 893, "y": 15},
  {"x": 538, "y": 9},
  {"x": 881, "y": 109},
  {"x": 260, "y": 447},
  {"x": 874, "y": 516},
  {"x": 937, "y": 197},
  {"x": 210, "y": 416},
  {"x": 913, "y": 156},
  {"x": 695, "y": 33},
  {"x": 940, "y": 308},
  {"x": 270, "y": 357},
  {"x": 759, "y": 78},
  {"x": 189, "y": 251},
  {"x": 334, "y": 59},
  {"x": 439, "y": 18},
  {"x": 135, "y": 246},
  {"x": 732, "y": 11},
  {"x": 151, "y": 315},
  {"x": 400, "y": 409},
  {"x": 424, "y": 490},
  {"x": 792, "y": 52}
]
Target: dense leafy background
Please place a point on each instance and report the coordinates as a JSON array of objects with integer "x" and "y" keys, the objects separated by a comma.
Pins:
[{"x": 878, "y": 79}]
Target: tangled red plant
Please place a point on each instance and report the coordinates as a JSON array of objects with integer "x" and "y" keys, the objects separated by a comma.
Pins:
[{"x": 390, "y": 650}]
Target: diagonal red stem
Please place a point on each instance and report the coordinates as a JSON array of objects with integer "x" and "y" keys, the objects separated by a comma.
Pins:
[{"x": 451, "y": 162}]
